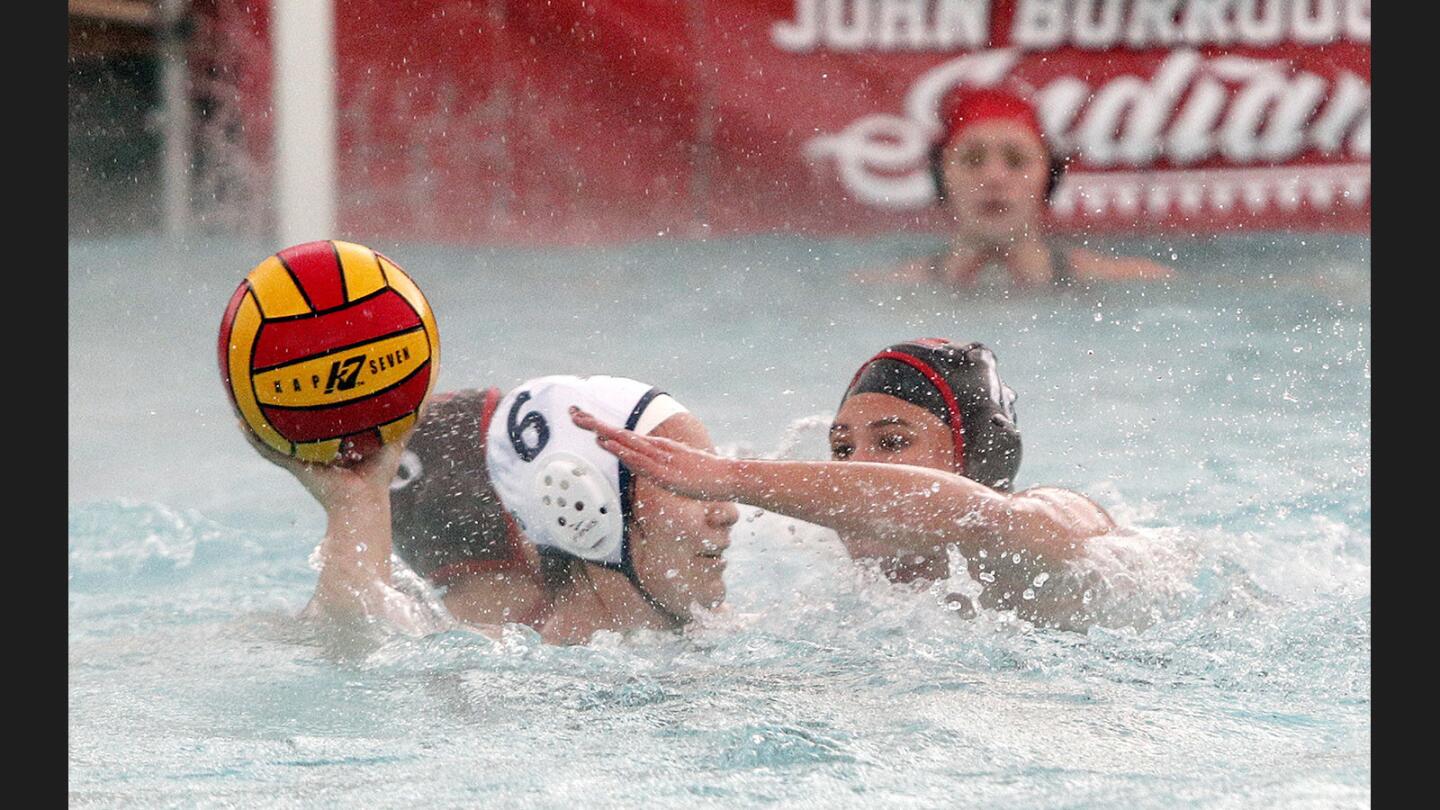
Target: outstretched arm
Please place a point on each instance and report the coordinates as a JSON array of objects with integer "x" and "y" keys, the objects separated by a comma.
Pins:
[{"x": 880, "y": 510}]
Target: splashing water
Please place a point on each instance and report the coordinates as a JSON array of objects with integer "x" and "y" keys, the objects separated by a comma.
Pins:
[{"x": 1229, "y": 662}]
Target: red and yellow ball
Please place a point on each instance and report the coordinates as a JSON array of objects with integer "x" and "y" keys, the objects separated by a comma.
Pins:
[{"x": 327, "y": 351}]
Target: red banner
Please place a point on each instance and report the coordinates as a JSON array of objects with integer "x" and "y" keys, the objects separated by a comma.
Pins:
[{"x": 566, "y": 121}]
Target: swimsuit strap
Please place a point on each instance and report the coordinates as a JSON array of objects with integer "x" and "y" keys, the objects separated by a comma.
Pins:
[
  {"x": 538, "y": 611},
  {"x": 1062, "y": 272},
  {"x": 935, "y": 265}
]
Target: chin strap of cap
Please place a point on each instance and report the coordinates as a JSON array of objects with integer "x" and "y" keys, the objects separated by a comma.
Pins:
[{"x": 627, "y": 510}]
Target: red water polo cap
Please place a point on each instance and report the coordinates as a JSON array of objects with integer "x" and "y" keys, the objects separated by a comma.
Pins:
[{"x": 965, "y": 106}]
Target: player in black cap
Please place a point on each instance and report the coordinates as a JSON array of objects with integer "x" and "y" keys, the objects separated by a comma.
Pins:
[
  {"x": 958, "y": 385},
  {"x": 925, "y": 450}
]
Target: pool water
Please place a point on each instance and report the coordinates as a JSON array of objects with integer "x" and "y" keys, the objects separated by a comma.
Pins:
[{"x": 1223, "y": 416}]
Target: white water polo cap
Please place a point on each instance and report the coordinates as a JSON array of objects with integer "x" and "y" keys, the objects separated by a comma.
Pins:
[{"x": 566, "y": 492}]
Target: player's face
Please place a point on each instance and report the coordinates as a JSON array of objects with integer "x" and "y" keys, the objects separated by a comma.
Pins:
[
  {"x": 678, "y": 544},
  {"x": 995, "y": 177},
  {"x": 888, "y": 430}
]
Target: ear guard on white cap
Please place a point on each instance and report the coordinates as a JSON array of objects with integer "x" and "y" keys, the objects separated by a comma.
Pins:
[{"x": 579, "y": 509}]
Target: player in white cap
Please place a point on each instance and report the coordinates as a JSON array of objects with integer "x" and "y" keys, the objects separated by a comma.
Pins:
[{"x": 520, "y": 517}]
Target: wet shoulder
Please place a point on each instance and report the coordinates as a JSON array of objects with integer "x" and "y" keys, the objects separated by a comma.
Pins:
[{"x": 1076, "y": 512}]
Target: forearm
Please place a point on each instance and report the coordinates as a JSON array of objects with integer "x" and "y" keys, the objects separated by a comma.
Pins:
[
  {"x": 355, "y": 554},
  {"x": 886, "y": 509}
]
